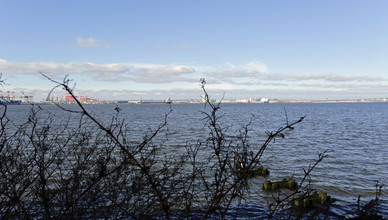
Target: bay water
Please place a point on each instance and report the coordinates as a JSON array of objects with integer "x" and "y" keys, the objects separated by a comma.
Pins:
[{"x": 353, "y": 135}]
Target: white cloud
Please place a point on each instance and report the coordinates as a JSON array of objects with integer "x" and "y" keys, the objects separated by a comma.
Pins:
[
  {"x": 334, "y": 77},
  {"x": 159, "y": 73},
  {"x": 255, "y": 65},
  {"x": 59, "y": 69},
  {"x": 91, "y": 43},
  {"x": 234, "y": 79},
  {"x": 252, "y": 69},
  {"x": 165, "y": 71},
  {"x": 232, "y": 74},
  {"x": 145, "y": 73},
  {"x": 250, "y": 72}
]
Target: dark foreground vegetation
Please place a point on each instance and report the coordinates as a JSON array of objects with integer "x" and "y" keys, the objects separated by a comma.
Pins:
[{"x": 90, "y": 169}]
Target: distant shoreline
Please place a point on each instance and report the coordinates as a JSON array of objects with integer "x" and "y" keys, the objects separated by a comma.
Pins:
[{"x": 364, "y": 100}]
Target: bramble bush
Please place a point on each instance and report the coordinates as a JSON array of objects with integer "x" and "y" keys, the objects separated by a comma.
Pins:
[{"x": 86, "y": 168}]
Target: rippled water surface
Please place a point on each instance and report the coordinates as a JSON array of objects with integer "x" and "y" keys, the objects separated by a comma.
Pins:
[{"x": 354, "y": 135}]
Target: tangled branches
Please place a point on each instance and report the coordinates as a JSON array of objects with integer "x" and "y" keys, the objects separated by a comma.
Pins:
[{"x": 82, "y": 167}]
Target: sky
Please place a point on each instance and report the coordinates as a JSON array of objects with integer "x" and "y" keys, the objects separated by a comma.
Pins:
[{"x": 142, "y": 49}]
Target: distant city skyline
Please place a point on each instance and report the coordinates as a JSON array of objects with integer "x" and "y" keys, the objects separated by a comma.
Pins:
[{"x": 132, "y": 50}]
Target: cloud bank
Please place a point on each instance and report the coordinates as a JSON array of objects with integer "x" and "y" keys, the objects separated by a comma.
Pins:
[
  {"x": 102, "y": 72},
  {"x": 250, "y": 79},
  {"x": 251, "y": 72},
  {"x": 59, "y": 69}
]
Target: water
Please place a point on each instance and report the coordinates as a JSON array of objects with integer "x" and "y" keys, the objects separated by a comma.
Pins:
[{"x": 354, "y": 136}]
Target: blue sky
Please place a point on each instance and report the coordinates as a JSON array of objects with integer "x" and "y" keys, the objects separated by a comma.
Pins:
[{"x": 159, "y": 49}]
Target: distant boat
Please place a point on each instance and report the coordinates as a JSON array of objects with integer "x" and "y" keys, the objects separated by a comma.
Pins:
[
  {"x": 168, "y": 101},
  {"x": 264, "y": 100}
]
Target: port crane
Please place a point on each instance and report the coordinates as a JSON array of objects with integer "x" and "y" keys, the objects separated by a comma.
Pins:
[{"x": 9, "y": 96}]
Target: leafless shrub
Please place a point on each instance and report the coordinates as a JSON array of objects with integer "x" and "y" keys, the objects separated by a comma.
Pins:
[
  {"x": 92, "y": 169},
  {"x": 368, "y": 210}
]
